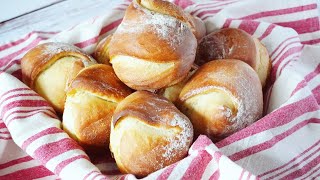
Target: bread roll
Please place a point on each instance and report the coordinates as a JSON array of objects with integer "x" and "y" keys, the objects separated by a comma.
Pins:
[
  {"x": 101, "y": 53},
  {"x": 233, "y": 43},
  {"x": 199, "y": 28},
  {"x": 172, "y": 92},
  {"x": 154, "y": 46},
  {"x": 222, "y": 97},
  {"x": 91, "y": 100},
  {"x": 148, "y": 133},
  {"x": 49, "y": 68}
]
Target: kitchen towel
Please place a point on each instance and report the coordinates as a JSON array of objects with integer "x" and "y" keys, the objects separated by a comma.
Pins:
[{"x": 284, "y": 144}]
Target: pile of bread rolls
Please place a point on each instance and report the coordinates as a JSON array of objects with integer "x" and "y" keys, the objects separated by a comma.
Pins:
[{"x": 159, "y": 81}]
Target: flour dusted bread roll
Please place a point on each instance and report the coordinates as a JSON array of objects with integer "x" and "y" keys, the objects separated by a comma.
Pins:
[
  {"x": 49, "y": 68},
  {"x": 91, "y": 100},
  {"x": 233, "y": 43},
  {"x": 222, "y": 97},
  {"x": 101, "y": 53},
  {"x": 148, "y": 133},
  {"x": 154, "y": 46}
]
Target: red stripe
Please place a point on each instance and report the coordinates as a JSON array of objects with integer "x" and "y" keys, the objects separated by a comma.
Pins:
[
  {"x": 23, "y": 103},
  {"x": 29, "y": 173},
  {"x": 274, "y": 51},
  {"x": 288, "y": 53},
  {"x": 292, "y": 160},
  {"x": 51, "y": 130},
  {"x": 5, "y": 60},
  {"x": 284, "y": 48},
  {"x": 15, "y": 90},
  {"x": 17, "y": 74},
  {"x": 304, "y": 169},
  {"x": 249, "y": 175},
  {"x": 46, "y": 109},
  {"x": 303, "y": 25},
  {"x": 27, "y": 116},
  {"x": 241, "y": 175},
  {"x": 281, "y": 11},
  {"x": 95, "y": 39},
  {"x": 166, "y": 173},
  {"x": 16, "y": 161},
  {"x": 210, "y": 12},
  {"x": 311, "y": 42},
  {"x": 270, "y": 121},
  {"x": 65, "y": 163},
  {"x": 15, "y": 43},
  {"x": 18, "y": 95},
  {"x": 5, "y": 138},
  {"x": 197, "y": 166},
  {"x": 316, "y": 170},
  {"x": 227, "y": 23},
  {"x": 293, "y": 59},
  {"x": 316, "y": 93},
  {"x": 296, "y": 165},
  {"x": 307, "y": 78},
  {"x": 267, "y": 32},
  {"x": 94, "y": 171},
  {"x": 2, "y": 125},
  {"x": 249, "y": 26},
  {"x": 270, "y": 143},
  {"x": 5, "y": 132},
  {"x": 16, "y": 61},
  {"x": 208, "y": 7},
  {"x": 201, "y": 143},
  {"x": 48, "y": 151}
]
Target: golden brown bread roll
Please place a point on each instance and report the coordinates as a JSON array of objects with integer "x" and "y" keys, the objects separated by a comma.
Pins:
[
  {"x": 154, "y": 46},
  {"x": 101, "y": 53},
  {"x": 172, "y": 92},
  {"x": 148, "y": 133},
  {"x": 233, "y": 43},
  {"x": 49, "y": 68},
  {"x": 222, "y": 97},
  {"x": 91, "y": 100}
]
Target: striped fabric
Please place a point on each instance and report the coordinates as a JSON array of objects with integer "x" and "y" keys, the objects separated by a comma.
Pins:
[{"x": 284, "y": 144}]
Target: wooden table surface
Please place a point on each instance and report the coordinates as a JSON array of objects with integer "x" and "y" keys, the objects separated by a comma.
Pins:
[{"x": 17, "y": 17}]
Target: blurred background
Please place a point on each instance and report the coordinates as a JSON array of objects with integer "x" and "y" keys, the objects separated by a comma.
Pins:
[{"x": 19, "y": 17}]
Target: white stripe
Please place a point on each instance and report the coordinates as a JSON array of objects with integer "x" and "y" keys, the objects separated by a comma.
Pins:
[
  {"x": 235, "y": 23},
  {"x": 261, "y": 29},
  {"x": 278, "y": 56},
  {"x": 314, "y": 82},
  {"x": 292, "y": 57},
  {"x": 20, "y": 166},
  {"x": 290, "y": 17},
  {"x": 77, "y": 169},
  {"x": 299, "y": 160},
  {"x": 32, "y": 113},
  {"x": 39, "y": 122},
  {"x": 13, "y": 112},
  {"x": 46, "y": 139},
  {"x": 266, "y": 135},
  {"x": 48, "y": 177},
  {"x": 279, "y": 154},
  {"x": 225, "y": 165},
  {"x": 310, "y": 172},
  {"x": 18, "y": 98},
  {"x": 301, "y": 164},
  {"x": 10, "y": 151},
  {"x": 309, "y": 36},
  {"x": 18, "y": 47},
  {"x": 13, "y": 67},
  {"x": 92, "y": 175},
  {"x": 210, "y": 169},
  {"x": 54, "y": 162},
  {"x": 20, "y": 92},
  {"x": 181, "y": 167}
]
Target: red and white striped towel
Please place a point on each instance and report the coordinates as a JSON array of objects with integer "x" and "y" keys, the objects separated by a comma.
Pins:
[{"x": 285, "y": 144}]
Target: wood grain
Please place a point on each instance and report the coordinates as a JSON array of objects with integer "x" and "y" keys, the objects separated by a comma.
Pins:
[{"x": 56, "y": 17}]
